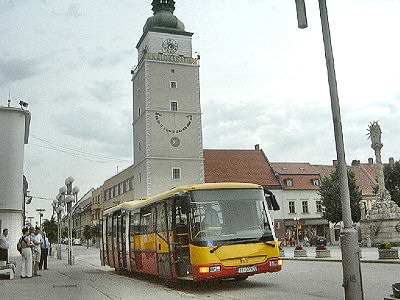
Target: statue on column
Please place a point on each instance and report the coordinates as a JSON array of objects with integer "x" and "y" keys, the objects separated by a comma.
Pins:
[{"x": 383, "y": 207}]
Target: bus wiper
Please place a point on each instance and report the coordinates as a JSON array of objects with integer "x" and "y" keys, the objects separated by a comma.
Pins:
[
  {"x": 232, "y": 240},
  {"x": 267, "y": 242}
]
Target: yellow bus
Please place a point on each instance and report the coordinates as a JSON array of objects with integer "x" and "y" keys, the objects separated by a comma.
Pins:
[{"x": 195, "y": 232}]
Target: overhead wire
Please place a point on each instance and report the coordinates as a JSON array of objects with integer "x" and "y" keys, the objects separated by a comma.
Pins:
[{"x": 76, "y": 152}]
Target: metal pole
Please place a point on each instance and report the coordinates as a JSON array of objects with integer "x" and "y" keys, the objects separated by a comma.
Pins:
[
  {"x": 69, "y": 234},
  {"x": 59, "y": 235},
  {"x": 348, "y": 236}
]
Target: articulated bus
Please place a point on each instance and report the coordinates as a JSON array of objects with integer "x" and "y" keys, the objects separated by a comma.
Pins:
[{"x": 196, "y": 232}]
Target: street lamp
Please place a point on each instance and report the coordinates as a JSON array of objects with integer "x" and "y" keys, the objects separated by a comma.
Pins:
[
  {"x": 40, "y": 210},
  {"x": 68, "y": 196},
  {"x": 348, "y": 236},
  {"x": 296, "y": 219},
  {"x": 58, "y": 207}
]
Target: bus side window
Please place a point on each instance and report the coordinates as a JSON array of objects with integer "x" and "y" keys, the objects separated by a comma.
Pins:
[{"x": 146, "y": 221}]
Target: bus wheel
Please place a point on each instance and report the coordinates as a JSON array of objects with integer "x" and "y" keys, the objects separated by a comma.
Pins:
[{"x": 240, "y": 278}]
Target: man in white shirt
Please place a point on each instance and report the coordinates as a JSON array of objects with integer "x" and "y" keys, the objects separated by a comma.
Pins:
[
  {"x": 45, "y": 252},
  {"x": 37, "y": 240},
  {"x": 4, "y": 245}
]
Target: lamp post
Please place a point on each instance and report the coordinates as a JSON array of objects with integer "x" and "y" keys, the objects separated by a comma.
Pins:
[
  {"x": 296, "y": 219},
  {"x": 58, "y": 207},
  {"x": 40, "y": 210},
  {"x": 352, "y": 282},
  {"x": 69, "y": 195}
]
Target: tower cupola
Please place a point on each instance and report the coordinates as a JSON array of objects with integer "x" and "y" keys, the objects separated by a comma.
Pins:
[{"x": 163, "y": 16}]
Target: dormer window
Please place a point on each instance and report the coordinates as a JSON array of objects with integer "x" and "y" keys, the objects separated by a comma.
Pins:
[
  {"x": 289, "y": 182},
  {"x": 315, "y": 182},
  {"x": 172, "y": 84}
]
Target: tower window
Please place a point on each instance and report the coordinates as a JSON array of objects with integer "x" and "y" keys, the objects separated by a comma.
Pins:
[
  {"x": 176, "y": 173},
  {"x": 292, "y": 209},
  {"x": 172, "y": 84},
  {"x": 305, "y": 207},
  {"x": 172, "y": 71},
  {"x": 139, "y": 111},
  {"x": 139, "y": 146},
  {"x": 174, "y": 106}
]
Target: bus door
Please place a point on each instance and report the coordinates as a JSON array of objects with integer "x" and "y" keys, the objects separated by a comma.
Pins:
[
  {"x": 180, "y": 227},
  {"x": 109, "y": 246},
  {"x": 163, "y": 240},
  {"x": 103, "y": 243},
  {"x": 121, "y": 241},
  {"x": 115, "y": 239}
]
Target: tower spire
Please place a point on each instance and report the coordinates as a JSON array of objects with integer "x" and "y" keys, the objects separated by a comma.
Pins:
[{"x": 159, "y": 5}]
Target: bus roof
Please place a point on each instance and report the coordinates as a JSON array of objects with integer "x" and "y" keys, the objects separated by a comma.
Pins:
[{"x": 132, "y": 205}]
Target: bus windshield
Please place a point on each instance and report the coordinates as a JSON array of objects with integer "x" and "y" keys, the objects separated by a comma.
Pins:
[{"x": 229, "y": 215}]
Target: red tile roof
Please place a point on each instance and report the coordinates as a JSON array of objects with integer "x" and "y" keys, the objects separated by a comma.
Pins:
[
  {"x": 302, "y": 174},
  {"x": 238, "y": 166}
]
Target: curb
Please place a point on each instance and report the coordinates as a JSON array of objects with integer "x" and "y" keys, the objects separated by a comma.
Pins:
[{"x": 368, "y": 261}]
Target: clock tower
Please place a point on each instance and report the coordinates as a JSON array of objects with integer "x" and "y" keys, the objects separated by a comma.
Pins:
[{"x": 167, "y": 131}]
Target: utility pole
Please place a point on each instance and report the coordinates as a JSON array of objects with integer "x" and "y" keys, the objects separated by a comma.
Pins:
[
  {"x": 40, "y": 210},
  {"x": 352, "y": 281}
]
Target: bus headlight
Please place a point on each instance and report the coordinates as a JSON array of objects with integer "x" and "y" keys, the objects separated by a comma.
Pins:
[
  {"x": 212, "y": 269},
  {"x": 215, "y": 269},
  {"x": 274, "y": 263}
]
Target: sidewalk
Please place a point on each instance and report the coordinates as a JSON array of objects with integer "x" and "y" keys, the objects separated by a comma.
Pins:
[{"x": 368, "y": 255}]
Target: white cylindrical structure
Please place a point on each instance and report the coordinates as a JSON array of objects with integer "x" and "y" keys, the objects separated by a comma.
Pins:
[{"x": 14, "y": 133}]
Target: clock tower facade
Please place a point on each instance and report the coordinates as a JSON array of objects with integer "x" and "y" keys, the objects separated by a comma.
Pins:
[{"x": 167, "y": 130}]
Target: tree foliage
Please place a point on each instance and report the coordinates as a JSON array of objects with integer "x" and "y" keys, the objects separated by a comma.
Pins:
[
  {"x": 392, "y": 181},
  {"x": 330, "y": 194},
  {"x": 50, "y": 227}
]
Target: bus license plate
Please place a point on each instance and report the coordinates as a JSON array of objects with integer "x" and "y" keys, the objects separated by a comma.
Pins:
[{"x": 247, "y": 269}]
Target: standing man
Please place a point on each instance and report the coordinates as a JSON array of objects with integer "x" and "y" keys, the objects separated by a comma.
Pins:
[
  {"x": 4, "y": 245},
  {"x": 37, "y": 241},
  {"x": 45, "y": 252}
]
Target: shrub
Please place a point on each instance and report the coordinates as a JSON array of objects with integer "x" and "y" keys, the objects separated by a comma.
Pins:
[
  {"x": 298, "y": 248},
  {"x": 385, "y": 245},
  {"x": 321, "y": 247}
]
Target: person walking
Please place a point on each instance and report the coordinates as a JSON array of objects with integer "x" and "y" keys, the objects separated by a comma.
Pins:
[
  {"x": 26, "y": 254},
  {"x": 37, "y": 241},
  {"x": 44, "y": 252},
  {"x": 4, "y": 245}
]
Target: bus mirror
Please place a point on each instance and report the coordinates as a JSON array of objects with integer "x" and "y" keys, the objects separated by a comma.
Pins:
[
  {"x": 271, "y": 200},
  {"x": 184, "y": 202}
]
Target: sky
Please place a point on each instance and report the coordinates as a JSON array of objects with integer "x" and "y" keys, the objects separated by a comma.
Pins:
[{"x": 262, "y": 81}]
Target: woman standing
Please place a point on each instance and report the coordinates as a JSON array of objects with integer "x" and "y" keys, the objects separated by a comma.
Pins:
[{"x": 26, "y": 254}]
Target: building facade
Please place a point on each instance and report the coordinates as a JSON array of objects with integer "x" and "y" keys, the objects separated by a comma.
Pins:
[{"x": 167, "y": 129}]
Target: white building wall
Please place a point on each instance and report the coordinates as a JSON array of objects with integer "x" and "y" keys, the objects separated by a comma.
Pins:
[{"x": 14, "y": 131}]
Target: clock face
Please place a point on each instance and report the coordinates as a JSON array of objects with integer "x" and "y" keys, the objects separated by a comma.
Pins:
[
  {"x": 175, "y": 141},
  {"x": 170, "y": 45}
]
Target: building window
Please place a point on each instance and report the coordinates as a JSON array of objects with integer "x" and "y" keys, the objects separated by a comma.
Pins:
[
  {"x": 315, "y": 182},
  {"x": 292, "y": 209},
  {"x": 172, "y": 84},
  {"x": 319, "y": 206},
  {"x": 289, "y": 182},
  {"x": 176, "y": 173},
  {"x": 174, "y": 105},
  {"x": 172, "y": 71},
  {"x": 121, "y": 188},
  {"x": 304, "y": 205}
]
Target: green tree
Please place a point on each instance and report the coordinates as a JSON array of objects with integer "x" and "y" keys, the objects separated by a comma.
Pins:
[
  {"x": 330, "y": 194},
  {"x": 50, "y": 227},
  {"x": 96, "y": 232},
  {"x": 392, "y": 181},
  {"x": 87, "y": 234},
  {"x": 64, "y": 232}
]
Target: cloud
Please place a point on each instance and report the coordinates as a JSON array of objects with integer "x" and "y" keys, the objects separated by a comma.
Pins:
[{"x": 15, "y": 69}]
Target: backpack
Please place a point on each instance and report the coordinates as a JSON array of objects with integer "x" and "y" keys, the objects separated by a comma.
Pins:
[{"x": 19, "y": 244}]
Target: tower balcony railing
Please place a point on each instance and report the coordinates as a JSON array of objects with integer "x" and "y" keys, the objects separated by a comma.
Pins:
[{"x": 179, "y": 59}]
